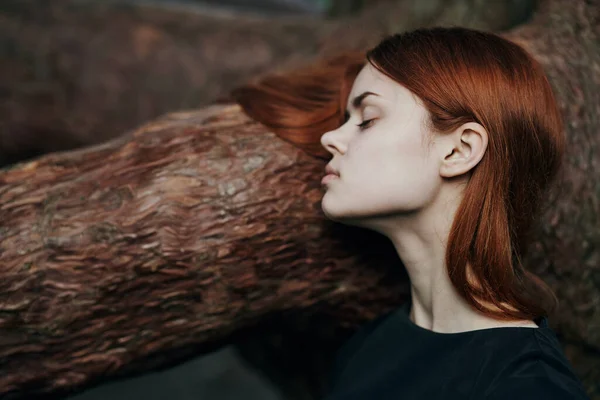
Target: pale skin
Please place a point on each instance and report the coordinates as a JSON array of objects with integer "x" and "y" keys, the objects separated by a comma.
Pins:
[{"x": 400, "y": 178}]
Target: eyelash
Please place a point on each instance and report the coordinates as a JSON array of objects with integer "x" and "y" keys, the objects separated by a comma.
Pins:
[{"x": 364, "y": 124}]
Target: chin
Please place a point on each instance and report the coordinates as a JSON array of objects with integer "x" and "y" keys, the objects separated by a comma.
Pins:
[
  {"x": 328, "y": 213},
  {"x": 330, "y": 210},
  {"x": 341, "y": 216}
]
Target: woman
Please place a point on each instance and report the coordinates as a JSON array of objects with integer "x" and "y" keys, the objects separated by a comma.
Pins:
[{"x": 448, "y": 140}]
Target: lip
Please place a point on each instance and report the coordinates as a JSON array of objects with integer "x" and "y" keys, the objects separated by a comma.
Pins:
[
  {"x": 328, "y": 178},
  {"x": 329, "y": 170}
]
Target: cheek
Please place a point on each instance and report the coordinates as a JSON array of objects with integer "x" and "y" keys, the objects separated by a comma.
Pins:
[
  {"x": 403, "y": 159},
  {"x": 398, "y": 175},
  {"x": 414, "y": 177}
]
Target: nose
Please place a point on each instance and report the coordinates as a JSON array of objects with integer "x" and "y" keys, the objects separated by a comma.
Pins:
[{"x": 331, "y": 142}]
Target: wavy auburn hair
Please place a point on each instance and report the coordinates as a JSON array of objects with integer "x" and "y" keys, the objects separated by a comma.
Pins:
[{"x": 461, "y": 75}]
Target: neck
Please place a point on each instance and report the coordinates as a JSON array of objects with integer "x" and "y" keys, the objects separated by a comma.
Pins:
[
  {"x": 421, "y": 243},
  {"x": 422, "y": 248}
]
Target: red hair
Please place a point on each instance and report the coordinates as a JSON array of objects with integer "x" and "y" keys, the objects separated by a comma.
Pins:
[{"x": 461, "y": 75}]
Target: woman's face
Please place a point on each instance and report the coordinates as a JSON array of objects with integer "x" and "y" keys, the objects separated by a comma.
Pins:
[{"x": 386, "y": 166}]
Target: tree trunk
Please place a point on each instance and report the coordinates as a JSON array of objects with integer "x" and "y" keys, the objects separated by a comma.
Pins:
[
  {"x": 201, "y": 223},
  {"x": 174, "y": 235}
]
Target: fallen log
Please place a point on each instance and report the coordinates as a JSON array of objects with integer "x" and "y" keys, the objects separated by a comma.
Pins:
[{"x": 175, "y": 234}]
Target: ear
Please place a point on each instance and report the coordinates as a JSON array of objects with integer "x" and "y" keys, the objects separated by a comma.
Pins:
[{"x": 462, "y": 149}]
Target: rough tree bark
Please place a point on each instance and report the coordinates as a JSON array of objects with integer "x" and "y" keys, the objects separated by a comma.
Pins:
[
  {"x": 196, "y": 225},
  {"x": 74, "y": 73},
  {"x": 176, "y": 234}
]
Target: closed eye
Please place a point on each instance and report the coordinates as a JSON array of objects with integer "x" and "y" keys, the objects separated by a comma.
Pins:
[{"x": 366, "y": 124}]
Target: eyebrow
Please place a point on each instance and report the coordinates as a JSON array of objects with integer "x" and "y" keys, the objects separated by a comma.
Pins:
[{"x": 356, "y": 102}]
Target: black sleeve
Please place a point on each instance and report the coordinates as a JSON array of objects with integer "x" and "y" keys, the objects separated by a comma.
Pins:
[{"x": 545, "y": 387}]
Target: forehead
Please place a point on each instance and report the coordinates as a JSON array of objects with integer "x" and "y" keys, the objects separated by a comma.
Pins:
[
  {"x": 390, "y": 91},
  {"x": 370, "y": 79}
]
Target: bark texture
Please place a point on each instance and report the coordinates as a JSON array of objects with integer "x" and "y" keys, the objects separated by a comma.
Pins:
[
  {"x": 177, "y": 234},
  {"x": 126, "y": 255}
]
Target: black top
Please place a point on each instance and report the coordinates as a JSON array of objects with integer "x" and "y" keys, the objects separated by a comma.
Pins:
[{"x": 393, "y": 358}]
